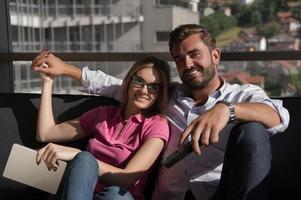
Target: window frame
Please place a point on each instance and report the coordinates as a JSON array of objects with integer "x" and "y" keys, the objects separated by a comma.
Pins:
[
  {"x": 161, "y": 32},
  {"x": 6, "y": 80}
]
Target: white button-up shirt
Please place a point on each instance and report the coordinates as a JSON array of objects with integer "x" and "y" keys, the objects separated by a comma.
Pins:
[{"x": 200, "y": 174}]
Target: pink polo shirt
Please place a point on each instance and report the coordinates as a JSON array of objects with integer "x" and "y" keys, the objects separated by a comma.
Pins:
[{"x": 115, "y": 143}]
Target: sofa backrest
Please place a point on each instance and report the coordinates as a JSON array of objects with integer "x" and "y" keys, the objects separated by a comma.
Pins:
[
  {"x": 286, "y": 151},
  {"x": 18, "y": 114}
]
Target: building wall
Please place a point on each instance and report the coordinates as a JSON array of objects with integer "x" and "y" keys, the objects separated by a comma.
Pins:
[
  {"x": 91, "y": 26},
  {"x": 162, "y": 18}
]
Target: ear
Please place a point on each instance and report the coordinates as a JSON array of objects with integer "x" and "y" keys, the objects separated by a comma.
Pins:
[{"x": 216, "y": 55}]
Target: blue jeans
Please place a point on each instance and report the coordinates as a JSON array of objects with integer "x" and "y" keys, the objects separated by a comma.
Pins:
[
  {"x": 113, "y": 193},
  {"x": 80, "y": 178},
  {"x": 247, "y": 164}
]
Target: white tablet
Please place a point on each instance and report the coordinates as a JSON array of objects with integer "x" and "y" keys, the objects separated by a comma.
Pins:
[{"x": 22, "y": 167}]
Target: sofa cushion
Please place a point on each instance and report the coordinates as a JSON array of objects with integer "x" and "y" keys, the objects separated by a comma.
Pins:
[{"x": 18, "y": 115}]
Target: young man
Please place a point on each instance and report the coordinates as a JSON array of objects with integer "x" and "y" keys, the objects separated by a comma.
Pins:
[{"x": 228, "y": 125}]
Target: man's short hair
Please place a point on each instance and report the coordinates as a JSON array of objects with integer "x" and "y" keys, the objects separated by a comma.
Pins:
[{"x": 182, "y": 32}]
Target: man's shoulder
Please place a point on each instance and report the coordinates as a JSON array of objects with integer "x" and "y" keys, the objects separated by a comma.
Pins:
[
  {"x": 243, "y": 91},
  {"x": 244, "y": 86}
]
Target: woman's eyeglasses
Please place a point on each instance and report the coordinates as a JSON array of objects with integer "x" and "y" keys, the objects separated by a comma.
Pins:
[{"x": 153, "y": 88}]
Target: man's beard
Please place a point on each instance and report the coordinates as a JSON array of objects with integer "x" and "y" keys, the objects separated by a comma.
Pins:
[{"x": 208, "y": 74}]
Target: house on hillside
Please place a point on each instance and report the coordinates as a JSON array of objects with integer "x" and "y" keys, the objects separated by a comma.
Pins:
[
  {"x": 294, "y": 27},
  {"x": 283, "y": 16},
  {"x": 208, "y": 11},
  {"x": 296, "y": 5},
  {"x": 248, "y": 43},
  {"x": 244, "y": 78},
  {"x": 246, "y": 2},
  {"x": 279, "y": 73},
  {"x": 222, "y": 9},
  {"x": 227, "y": 11},
  {"x": 283, "y": 42},
  {"x": 219, "y": 2},
  {"x": 289, "y": 24}
]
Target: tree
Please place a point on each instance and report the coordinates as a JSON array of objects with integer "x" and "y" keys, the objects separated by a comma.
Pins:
[
  {"x": 202, "y": 5},
  {"x": 235, "y": 8},
  {"x": 244, "y": 16},
  {"x": 218, "y": 22},
  {"x": 256, "y": 18},
  {"x": 297, "y": 13},
  {"x": 281, "y": 5},
  {"x": 269, "y": 30},
  {"x": 267, "y": 10}
]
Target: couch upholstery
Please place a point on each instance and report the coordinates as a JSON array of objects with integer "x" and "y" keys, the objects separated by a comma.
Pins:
[{"x": 18, "y": 114}]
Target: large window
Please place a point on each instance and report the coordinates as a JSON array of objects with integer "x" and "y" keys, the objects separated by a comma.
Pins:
[
  {"x": 130, "y": 26},
  {"x": 162, "y": 36},
  {"x": 277, "y": 78},
  {"x": 253, "y": 25}
]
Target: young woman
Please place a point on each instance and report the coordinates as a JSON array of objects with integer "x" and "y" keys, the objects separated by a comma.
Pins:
[{"x": 124, "y": 141}]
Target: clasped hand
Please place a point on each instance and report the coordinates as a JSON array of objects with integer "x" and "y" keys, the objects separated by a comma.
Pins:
[{"x": 55, "y": 66}]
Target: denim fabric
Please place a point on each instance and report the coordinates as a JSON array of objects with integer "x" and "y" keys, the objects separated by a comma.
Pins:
[
  {"x": 246, "y": 165},
  {"x": 113, "y": 193},
  {"x": 80, "y": 178}
]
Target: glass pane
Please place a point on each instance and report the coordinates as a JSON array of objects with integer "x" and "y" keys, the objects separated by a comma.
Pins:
[
  {"x": 130, "y": 26},
  {"x": 28, "y": 81},
  {"x": 162, "y": 36},
  {"x": 253, "y": 25},
  {"x": 277, "y": 78}
]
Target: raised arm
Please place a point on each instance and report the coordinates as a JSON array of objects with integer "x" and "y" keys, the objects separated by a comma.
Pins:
[
  {"x": 93, "y": 81},
  {"x": 56, "y": 66},
  {"x": 47, "y": 129}
]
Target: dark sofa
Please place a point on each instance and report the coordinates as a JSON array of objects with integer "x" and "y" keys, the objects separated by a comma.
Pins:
[{"x": 18, "y": 114}]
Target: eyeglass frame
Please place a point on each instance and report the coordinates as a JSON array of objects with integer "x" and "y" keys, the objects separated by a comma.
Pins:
[{"x": 149, "y": 86}]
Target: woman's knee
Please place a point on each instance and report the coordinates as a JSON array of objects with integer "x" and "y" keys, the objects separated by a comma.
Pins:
[
  {"x": 80, "y": 177},
  {"x": 85, "y": 160}
]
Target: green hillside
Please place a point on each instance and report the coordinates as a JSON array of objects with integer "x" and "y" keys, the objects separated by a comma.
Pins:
[{"x": 226, "y": 37}]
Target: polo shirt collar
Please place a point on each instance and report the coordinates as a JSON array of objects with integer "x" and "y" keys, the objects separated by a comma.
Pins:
[{"x": 137, "y": 117}]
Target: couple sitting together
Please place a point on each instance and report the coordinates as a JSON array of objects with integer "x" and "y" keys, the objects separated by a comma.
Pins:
[{"x": 228, "y": 125}]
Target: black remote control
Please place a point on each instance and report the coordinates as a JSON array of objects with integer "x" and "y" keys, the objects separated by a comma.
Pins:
[{"x": 178, "y": 155}]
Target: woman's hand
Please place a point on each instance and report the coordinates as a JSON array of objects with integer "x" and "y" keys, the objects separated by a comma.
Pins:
[
  {"x": 46, "y": 77},
  {"x": 55, "y": 66},
  {"x": 51, "y": 153}
]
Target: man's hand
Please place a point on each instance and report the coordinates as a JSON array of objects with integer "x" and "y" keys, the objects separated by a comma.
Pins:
[
  {"x": 51, "y": 153},
  {"x": 56, "y": 66},
  {"x": 205, "y": 129}
]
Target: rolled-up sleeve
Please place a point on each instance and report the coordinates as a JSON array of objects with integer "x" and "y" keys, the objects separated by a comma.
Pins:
[
  {"x": 283, "y": 114},
  {"x": 253, "y": 93},
  {"x": 257, "y": 94},
  {"x": 97, "y": 82}
]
